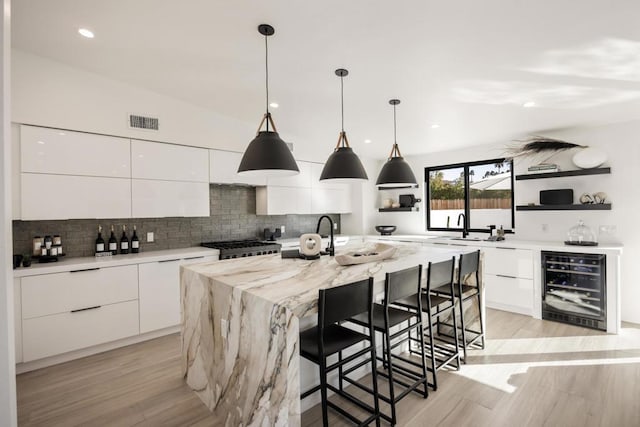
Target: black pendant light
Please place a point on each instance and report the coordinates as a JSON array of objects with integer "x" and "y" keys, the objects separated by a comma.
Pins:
[
  {"x": 343, "y": 163},
  {"x": 267, "y": 154},
  {"x": 396, "y": 172}
]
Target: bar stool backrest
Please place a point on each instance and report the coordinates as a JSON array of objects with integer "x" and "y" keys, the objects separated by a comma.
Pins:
[
  {"x": 343, "y": 302},
  {"x": 402, "y": 284},
  {"x": 469, "y": 263},
  {"x": 440, "y": 273}
]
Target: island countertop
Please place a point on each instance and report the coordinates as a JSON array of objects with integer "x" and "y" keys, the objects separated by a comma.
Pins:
[{"x": 240, "y": 326}]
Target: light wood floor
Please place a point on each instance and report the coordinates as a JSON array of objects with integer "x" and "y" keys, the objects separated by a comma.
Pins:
[{"x": 531, "y": 373}]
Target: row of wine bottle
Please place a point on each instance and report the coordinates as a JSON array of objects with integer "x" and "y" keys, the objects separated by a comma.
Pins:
[{"x": 114, "y": 246}]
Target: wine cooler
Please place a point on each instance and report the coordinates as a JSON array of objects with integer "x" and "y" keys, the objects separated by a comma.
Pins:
[{"x": 574, "y": 289}]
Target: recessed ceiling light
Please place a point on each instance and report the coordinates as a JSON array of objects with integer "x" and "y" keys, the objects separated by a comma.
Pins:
[
  {"x": 86, "y": 33},
  {"x": 41, "y": 142},
  {"x": 274, "y": 105},
  {"x": 61, "y": 133},
  {"x": 529, "y": 104},
  {"x": 435, "y": 126},
  {"x": 367, "y": 141}
]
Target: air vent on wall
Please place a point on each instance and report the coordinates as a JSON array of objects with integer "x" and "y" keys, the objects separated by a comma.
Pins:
[{"x": 142, "y": 122}]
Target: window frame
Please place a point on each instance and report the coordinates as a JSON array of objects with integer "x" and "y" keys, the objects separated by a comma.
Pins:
[{"x": 465, "y": 166}]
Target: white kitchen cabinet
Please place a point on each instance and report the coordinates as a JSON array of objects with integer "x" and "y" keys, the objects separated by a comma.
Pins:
[
  {"x": 59, "y": 333},
  {"x": 156, "y": 199},
  {"x": 509, "y": 293},
  {"x": 301, "y": 180},
  {"x": 283, "y": 200},
  {"x": 509, "y": 262},
  {"x": 78, "y": 289},
  {"x": 170, "y": 162},
  {"x": 17, "y": 318},
  {"x": 508, "y": 276},
  {"x": 55, "y": 151},
  {"x": 330, "y": 200},
  {"x": 159, "y": 285},
  {"x": 223, "y": 169},
  {"x": 46, "y": 197}
]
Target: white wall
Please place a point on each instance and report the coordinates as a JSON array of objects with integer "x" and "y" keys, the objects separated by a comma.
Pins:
[
  {"x": 49, "y": 93},
  {"x": 362, "y": 219},
  {"x": 618, "y": 140},
  {"x": 8, "y": 415}
]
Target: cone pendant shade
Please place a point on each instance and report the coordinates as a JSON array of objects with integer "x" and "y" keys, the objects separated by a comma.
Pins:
[
  {"x": 343, "y": 163},
  {"x": 396, "y": 172},
  {"x": 267, "y": 154}
]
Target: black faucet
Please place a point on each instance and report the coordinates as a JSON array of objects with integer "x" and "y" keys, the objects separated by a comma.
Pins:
[
  {"x": 465, "y": 232},
  {"x": 331, "y": 250}
]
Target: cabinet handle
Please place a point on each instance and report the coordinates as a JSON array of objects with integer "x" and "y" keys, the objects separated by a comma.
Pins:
[
  {"x": 86, "y": 269},
  {"x": 508, "y": 277},
  {"x": 457, "y": 244},
  {"x": 440, "y": 243},
  {"x": 170, "y": 260},
  {"x": 194, "y": 257},
  {"x": 85, "y": 309},
  {"x": 504, "y": 247}
]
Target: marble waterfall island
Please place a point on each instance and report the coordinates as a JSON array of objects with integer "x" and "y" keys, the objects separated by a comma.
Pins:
[{"x": 240, "y": 327}]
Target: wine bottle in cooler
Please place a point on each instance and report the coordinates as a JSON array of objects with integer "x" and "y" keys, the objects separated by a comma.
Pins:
[
  {"x": 99, "y": 241},
  {"x": 135, "y": 242},
  {"x": 113, "y": 243},
  {"x": 124, "y": 241}
]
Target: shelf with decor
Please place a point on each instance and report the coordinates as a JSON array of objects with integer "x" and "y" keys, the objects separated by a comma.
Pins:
[
  {"x": 576, "y": 172},
  {"x": 407, "y": 209},
  {"x": 586, "y": 207}
]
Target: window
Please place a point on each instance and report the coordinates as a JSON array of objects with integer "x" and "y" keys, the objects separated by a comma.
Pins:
[{"x": 475, "y": 195}]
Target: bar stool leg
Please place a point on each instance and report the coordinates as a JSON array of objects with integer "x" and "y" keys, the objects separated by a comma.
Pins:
[
  {"x": 455, "y": 337},
  {"x": 433, "y": 350},
  {"x": 374, "y": 381},
  {"x": 323, "y": 392},
  {"x": 390, "y": 369},
  {"x": 480, "y": 312},
  {"x": 422, "y": 358},
  {"x": 464, "y": 335}
]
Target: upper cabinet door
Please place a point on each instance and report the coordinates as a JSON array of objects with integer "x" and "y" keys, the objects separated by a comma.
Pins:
[
  {"x": 157, "y": 199},
  {"x": 62, "y": 152},
  {"x": 302, "y": 180},
  {"x": 154, "y": 160},
  {"x": 223, "y": 169}
]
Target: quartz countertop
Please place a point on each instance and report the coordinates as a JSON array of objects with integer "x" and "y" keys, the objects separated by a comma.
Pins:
[
  {"x": 508, "y": 242},
  {"x": 79, "y": 263}
]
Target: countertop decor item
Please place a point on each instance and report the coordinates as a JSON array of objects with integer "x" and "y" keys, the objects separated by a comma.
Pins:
[
  {"x": 396, "y": 172},
  {"x": 387, "y": 203},
  {"x": 385, "y": 230},
  {"x": 267, "y": 154},
  {"x": 581, "y": 235},
  {"x": 589, "y": 158},
  {"x": 370, "y": 254},
  {"x": 310, "y": 245},
  {"x": 343, "y": 163}
]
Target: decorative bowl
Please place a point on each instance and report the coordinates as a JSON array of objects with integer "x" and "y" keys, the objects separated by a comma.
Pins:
[{"x": 385, "y": 230}]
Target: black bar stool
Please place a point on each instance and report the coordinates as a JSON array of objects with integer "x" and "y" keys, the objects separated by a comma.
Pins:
[
  {"x": 468, "y": 266},
  {"x": 440, "y": 351},
  {"x": 399, "y": 285},
  {"x": 329, "y": 337}
]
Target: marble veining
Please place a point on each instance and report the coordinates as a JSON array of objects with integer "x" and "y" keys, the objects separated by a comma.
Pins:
[{"x": 240, "y": 327}]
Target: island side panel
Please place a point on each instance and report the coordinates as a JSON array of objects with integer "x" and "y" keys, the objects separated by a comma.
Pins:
[{"x": 251, "y": 377}]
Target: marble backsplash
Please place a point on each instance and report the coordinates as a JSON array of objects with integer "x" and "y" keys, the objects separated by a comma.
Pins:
[{"x": 232, "y": 217}]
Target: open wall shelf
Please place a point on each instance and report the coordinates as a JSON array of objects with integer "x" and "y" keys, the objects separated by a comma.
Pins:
[
  {"x": 590, "y": 207},
  {"x": 414, "y": 209},
  {"x": 577, "y": 172}
]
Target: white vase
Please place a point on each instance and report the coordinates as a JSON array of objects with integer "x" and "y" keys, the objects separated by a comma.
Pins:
[{"x": 589, "y": 157}]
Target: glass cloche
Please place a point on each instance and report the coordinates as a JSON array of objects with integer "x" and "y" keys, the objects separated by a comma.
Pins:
[{"x": 581, "y": 235}]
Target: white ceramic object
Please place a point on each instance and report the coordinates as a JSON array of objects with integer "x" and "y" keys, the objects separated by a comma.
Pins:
[
  {"x": 370, "y": 254},
  {"x": 395, "y": 205},
  {"x": 589, "y": 157},
  {"x": 386, "y": 203},
  {"x": 310, "y": 244}
]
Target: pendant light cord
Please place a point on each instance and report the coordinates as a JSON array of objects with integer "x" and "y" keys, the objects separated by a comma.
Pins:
[
  {"x": 342, "y": 100},
  {"x": 266, "y": 74},
  {"x": 395, "y": 141}
]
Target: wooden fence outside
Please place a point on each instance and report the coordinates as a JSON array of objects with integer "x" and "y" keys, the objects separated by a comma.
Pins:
[{"x": 475, "y": 204}]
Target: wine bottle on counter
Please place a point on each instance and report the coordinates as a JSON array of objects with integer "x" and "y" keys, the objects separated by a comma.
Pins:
[
  {"x": 99, "y": 241},
  {"x": 135, "y": 242},
  {"x": 113, "y": 243},
  {"x": 124, "y": 241}
]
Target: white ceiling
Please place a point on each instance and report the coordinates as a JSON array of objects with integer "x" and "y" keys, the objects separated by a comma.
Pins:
[{"x": 465, "y": 65}]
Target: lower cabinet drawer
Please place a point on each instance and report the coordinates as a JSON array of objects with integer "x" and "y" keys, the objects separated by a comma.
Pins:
[
  {"x": 509, "y": 293},
  {"x": 59, "y": 333}
]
